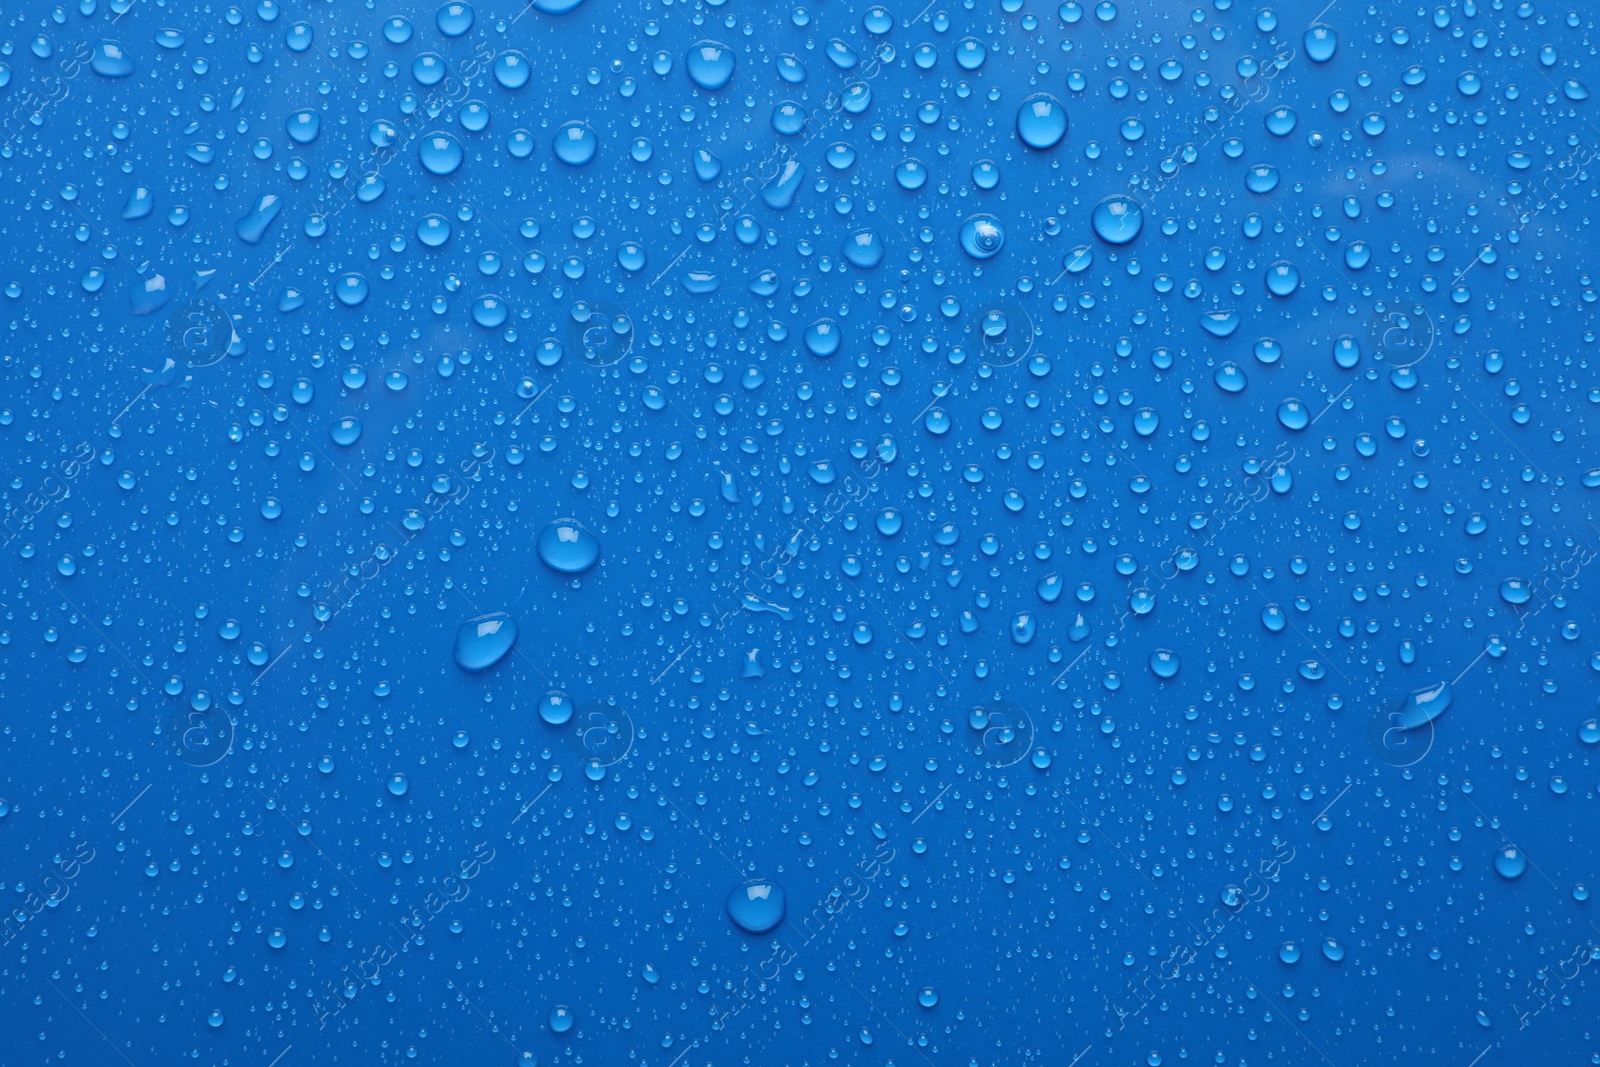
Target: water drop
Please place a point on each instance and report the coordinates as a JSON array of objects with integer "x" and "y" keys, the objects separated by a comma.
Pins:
[
  {"x": 1509, "y": 862},
  {"x": 982, "y": 236},
  {"x": 454, "y": 19},
  {"x": 351, "y": 289},
  {"x": 345, "y": 431},
  {"x": 1117, "y": 219},
  {"x": 110, "y": 60},
  {"x": 440, "y": 153},
  {"x": 304, "y": 125},
  {"x": 555, "y": 708},
  {"x": 1229, "y": 378},
  {"x": 822, "y": 338},
  {"x": 576, "y": 143},
  {"x": 1041, "y": 121},
  {"x": 566, "y": 545},
  {"x": 1164, "y": 663},
  {"x": 756, "y": 907},
  {"x": 710, "y": 65},
  {"x": 1321, "y": 42},
  {"x": 864, "y": 249},
  {"x": 253, "y": 227}
]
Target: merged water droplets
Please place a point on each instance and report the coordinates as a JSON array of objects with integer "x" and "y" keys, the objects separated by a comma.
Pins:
[{"x": 253, "y": 226}]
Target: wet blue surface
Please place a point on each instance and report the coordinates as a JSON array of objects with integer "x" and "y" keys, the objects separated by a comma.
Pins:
[{"x": 732, "y": 533}]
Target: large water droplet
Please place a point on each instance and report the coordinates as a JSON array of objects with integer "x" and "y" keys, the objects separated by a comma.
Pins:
[
  {"x": 141, "y": 201},
  {"x": 304, "y": 125},
  {"x": 1220, "y": 323},
  {"x": 1261, "y": 178},
  {"x": 490, "y": 312},
  {"x": 555, "y": 708},
  {"x": 1117, "y": 219},
  {"x": 1283, "y": 278},
  {"x": 345, "y": 431},
  {"x": 707, "y": 167},
  {"x": 1321, "y": 42},
  {"x": 779, "y": 193},
  {"x": 710, "y": 65},
  {"x": 484, "y": 641},
  {"x": 566, "y": 545},
  {"x": 1230, "y": 378},
  {"x": 454, "y": 19},
  {"x": 1164, "y": 663},
  {"x": 149, "y": 294},
  {"x": 1516, "y": 591},
  {"x": 512, "y": 70},
  {"x": 1509, "y": 862},
  {"x": 576, "y": 143},
  {"x": 1422, "y": 706},
  {"x": 982, "y": 236},
  {"x": 756, "y": 907},
  {"x": 351, "y": 289},
  {"x": 440, "y": 153},
  {"x": 253, "y": 227},
  {"x": 864, "y": 249},
  {"x": 1041, "y": 121},
  {"x": 110, "y": 60},
  {"x": 822, "y": 338}
]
